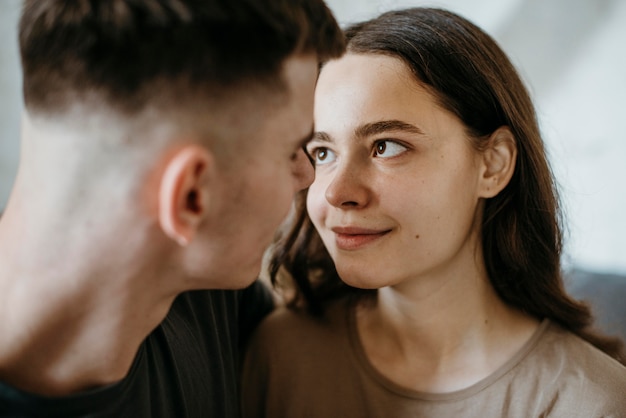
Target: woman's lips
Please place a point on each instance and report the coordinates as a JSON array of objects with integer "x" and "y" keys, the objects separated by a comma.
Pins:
[{"x": 354, "y": 238}]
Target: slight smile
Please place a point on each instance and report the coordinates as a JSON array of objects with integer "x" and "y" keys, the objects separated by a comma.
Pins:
[{"x": 354, "y": 238}]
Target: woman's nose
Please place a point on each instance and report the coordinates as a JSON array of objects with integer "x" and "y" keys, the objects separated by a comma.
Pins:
[{"x": 348, "y": 187}]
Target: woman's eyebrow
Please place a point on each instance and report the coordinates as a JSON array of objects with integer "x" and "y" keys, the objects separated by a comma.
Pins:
[
  {"x": 375, "y": 128},
  {"x": 321, "y": 136}
]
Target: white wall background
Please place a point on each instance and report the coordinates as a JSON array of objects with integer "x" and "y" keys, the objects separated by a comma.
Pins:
[
  {"x": 571, "y": 54},
  {"x": 10, "y": 96}
]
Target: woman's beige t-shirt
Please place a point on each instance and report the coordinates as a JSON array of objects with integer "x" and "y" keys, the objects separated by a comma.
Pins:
[{"x": 298, "y": 367}]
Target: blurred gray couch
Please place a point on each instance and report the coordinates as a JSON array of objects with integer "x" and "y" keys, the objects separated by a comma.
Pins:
[{"x": 607, "y": 295}]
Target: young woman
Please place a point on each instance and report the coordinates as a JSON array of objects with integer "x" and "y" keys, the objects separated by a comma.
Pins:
[{"x": 428, "y": 257}]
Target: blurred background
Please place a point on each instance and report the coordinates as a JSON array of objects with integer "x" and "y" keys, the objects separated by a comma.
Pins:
[{"x": 571, "y": 55}]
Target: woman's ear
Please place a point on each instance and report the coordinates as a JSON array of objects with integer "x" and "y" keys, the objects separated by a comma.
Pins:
[
  {"x": 498, "y": 162},
  {"x": 184, "y": 192}
]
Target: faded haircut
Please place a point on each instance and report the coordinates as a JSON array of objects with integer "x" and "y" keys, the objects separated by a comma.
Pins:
[{"x": 127, "y": 51}]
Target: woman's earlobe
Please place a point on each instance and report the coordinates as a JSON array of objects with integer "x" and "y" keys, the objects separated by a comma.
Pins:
[
  {"x": 184, "y": 193},
  {"x": 498, "y": 162}
]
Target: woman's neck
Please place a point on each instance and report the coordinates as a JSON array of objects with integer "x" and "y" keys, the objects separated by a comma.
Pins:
[{"x": 441, "y": 334}]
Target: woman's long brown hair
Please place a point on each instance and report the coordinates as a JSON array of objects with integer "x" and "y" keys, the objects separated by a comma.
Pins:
[{"x": 471, "y": 77}]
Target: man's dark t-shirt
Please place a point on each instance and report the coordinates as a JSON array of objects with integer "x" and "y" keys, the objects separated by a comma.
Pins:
[{"x": 187, "y": 367}]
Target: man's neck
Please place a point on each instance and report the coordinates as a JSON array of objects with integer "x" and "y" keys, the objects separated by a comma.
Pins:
[{"x": 74, "y": 324}]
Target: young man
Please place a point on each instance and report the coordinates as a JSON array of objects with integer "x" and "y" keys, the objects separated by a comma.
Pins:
[{"x": 161, "y": 147}]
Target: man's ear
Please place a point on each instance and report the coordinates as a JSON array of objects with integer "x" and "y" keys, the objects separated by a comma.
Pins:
[
  {"x": 498, "y": 162},
  {"x": 184, "y": 192}
]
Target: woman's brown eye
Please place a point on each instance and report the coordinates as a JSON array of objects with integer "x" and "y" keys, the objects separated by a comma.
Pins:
[
  {"x": 322, "y": 156},
  {"x": 388, "y": 149}
]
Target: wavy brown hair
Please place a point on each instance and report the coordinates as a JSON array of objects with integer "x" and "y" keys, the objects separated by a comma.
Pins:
[{"x": 471, "y": 77}]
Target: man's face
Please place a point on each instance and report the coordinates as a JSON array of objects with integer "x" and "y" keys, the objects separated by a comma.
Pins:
[{"x": 262, "y": 169}]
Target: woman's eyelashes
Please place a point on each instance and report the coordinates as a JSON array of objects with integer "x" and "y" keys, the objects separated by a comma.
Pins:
[
  {"x": 321, "y": 155},
  {"x": 386, "y": 148}
]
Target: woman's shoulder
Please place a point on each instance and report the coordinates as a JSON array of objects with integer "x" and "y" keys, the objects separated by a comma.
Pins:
[
  {"x": 578, "y": 370},
  {"x": 576, "y": 353}
]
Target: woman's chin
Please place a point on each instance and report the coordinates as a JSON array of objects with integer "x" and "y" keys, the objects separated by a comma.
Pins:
[{"x": 362, "y": 282}]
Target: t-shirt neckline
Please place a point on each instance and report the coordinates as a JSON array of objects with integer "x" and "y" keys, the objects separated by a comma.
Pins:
[{"x": 379, "y": 378}]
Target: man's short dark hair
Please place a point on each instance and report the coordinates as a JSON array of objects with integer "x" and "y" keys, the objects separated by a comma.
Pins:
[{"x": 121, "y": 49}]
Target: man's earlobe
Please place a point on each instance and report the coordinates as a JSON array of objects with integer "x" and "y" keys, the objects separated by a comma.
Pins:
[
  {"x": 184, "y": 192},
  {"x": 498, "y": 163}
]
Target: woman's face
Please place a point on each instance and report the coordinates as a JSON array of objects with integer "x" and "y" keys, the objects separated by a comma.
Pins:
[{"x": 396, "y": 190}]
